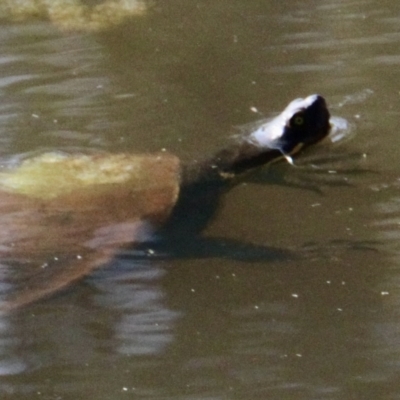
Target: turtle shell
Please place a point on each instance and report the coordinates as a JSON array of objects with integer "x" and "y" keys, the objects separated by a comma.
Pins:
[{"x": 63, "y": 216}]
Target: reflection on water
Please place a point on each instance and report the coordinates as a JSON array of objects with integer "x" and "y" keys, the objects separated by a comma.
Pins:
[
  {"x": 146, "y": 324},
  {"x": 10, "y": 362},
  {"x": 340, "y": 129},
  {"x": 49, "y": 95},
  {"x": 294, "y": 291}
]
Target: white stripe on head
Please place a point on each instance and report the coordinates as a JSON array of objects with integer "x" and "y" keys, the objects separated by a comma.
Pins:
[{"x": 268, "y": 134}]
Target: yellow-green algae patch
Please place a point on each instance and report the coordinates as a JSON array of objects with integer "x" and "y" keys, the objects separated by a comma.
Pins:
[
  {"x": 54, "y": 174},
  {"x": 73, "y": 14}
]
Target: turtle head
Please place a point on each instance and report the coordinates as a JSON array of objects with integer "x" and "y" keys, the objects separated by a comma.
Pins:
[{"x": 302, "y": 123}]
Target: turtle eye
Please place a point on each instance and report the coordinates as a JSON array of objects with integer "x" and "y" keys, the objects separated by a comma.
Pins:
[{"x": 297, "y": 120}]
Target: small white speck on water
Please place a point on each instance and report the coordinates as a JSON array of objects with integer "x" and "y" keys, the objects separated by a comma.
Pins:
[
  {"x": 299, "y": 355},
  {"x": 256, "y": 307},
  {"x": 343, "y": 283},
  {"x": 125, "y": 95},
  {"x": 99, "y": 87},
  {"x": 364, "y": 155},
  {"x": 332, "y": 171},
  {"x": 35, "y": 116},
  {"x": 384, "y": 293},
  {"x": 350, "y": 208},
  {"x": 151, "y": 252},
  {"x": 126, "y": 389},
  {"x": 340, "y": 309},
  {"x": 163, "y": 149},
  {"x": 358, "y": 116},
  {"x": 254, "y": 109},
  {"x": 79, "y": 257},
  {"x": 295, "y": 295},
  {"x": 55, "y": 258},
  {"x": 192, "y": 290},
  {"x": 316, "y": 205},
  {"x": 328, "y": 282},
  {"x": 45, "y": 265},
  {"x": 55, "y": 121}
]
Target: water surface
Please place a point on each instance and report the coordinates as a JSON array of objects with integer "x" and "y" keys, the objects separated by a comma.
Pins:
[{"x": 295, "y": 292}]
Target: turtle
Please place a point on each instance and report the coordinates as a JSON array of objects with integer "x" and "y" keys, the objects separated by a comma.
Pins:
[{"x": 64, "y": 215}]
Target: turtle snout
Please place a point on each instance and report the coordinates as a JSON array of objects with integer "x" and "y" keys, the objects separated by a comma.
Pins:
[{"x": 318, "y": 121}]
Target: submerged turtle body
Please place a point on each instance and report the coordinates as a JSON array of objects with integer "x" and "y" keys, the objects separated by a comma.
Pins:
[
  {"x": 58, "y": 230},
  {"x": 64, "y": 215}
]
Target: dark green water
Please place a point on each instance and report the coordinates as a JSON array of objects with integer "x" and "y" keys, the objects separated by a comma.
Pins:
[{"x": 296, "y": 292}]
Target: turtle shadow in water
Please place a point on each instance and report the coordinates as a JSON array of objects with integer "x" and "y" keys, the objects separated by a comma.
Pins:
[
  {"x": 198, "y": 247},
  {"x": 181, "y": 237}
]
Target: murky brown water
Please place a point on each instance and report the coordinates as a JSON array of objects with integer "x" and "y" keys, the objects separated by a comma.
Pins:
[{"x": 295, "y": 292}]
